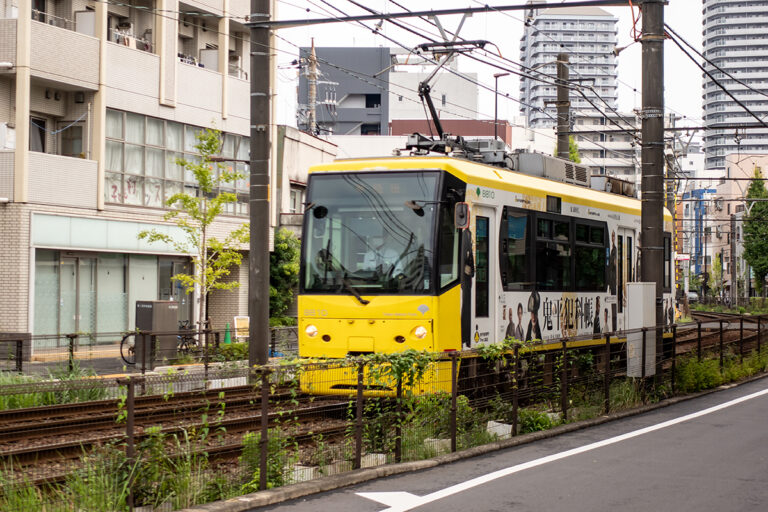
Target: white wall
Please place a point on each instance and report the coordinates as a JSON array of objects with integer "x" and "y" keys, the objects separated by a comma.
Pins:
[{"x": 460, "y": 95}]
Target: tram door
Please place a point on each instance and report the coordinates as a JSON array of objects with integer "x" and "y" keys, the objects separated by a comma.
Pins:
[
  {"x": 625, "y": 245},
  {"x": 485, "y": 289}
]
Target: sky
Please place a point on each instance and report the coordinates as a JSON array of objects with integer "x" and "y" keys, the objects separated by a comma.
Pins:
[{"x": 682, "y": 78}]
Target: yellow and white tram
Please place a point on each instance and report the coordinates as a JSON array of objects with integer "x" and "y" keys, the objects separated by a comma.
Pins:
[{"x": 385, "y": 266}]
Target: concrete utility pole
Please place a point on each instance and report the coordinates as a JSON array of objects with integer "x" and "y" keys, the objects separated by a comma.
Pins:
[
  {"x": 563, "y": 106},
  {"x": 734, "y": 274},
  {"x": 258, "y": 255},
  {"x": 652, "y": 216},
  {"x": 312, "y": 83}
]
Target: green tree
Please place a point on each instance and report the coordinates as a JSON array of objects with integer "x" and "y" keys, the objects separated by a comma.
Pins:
[
  {"x": 283, "y": 272},
  {"x": 573, "y": 150},
  {"x": 755, "y": 229},
  {"x": 194, "y": 214},
  {"x": 715, "y": 277}
]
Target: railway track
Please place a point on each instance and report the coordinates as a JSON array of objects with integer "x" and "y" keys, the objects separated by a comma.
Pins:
[
  {"x": 48, "y": 436},
  {"x": 25, "y": 451}
]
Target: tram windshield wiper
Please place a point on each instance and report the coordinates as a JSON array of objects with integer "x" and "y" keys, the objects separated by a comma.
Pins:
[{"x": 351, "y": 289}]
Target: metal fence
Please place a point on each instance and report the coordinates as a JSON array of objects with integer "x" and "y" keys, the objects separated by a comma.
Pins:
[
  {"x": 208, "y": 432},
  {"x": 117, "y": 352}
]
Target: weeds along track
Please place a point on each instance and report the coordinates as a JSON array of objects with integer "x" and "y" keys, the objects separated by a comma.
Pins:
[{"x": 70, "y": 433}]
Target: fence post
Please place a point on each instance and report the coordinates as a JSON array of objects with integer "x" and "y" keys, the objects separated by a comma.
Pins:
[
  {"x": 454, "y": 396},
  {"x": 19, "y": 355},
  {"x": 515, "y": 390},
  {"x": 758, "y": 335},
  {"x": 206, "y": 333},
  {"x": 264, "y": 441},
  {"x": 130, "y": 449},
  {"x": 564, "y": 381},
  {"x": 698, "y": 340},
  {"x": 71, "y": 358},
  {"x": 721, "y": 346},
  {"x": 272, "y": 341},
  {"x": 674, "y": 355},
  {"x": 607, "y": 377},
  {"x": 144, "y": 349},
  {"x": 741, "y": 339},
  {"x": 398, "y": 422},
  {"x": 643, "y": 363},
  {"x": 359, "y": 418}
]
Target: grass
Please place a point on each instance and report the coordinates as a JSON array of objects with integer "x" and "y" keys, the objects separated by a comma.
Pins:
[{"x": 50, "y": 397}]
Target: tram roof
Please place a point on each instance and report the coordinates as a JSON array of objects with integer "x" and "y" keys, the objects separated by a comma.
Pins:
[{"x": 491, "y": 177}]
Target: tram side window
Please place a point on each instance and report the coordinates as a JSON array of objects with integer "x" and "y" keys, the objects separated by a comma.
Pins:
[
  {"x": 553, "y": 254},
  {"x": 590, "y": 257},
  {"x": 514, "y": 250},
  {"x": 448, "y": 244}
]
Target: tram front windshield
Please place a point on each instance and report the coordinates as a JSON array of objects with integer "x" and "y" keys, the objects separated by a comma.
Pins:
[{"x": 370, "y": 233}]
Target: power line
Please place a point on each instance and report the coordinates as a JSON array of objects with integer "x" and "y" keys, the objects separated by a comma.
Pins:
[
  {"x": 677, "y": 43},
  {"x": 439, "y": 12},
  {"x": 669, "y": 29}
]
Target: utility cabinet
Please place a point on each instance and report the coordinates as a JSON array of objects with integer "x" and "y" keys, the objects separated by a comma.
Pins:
[
  {"x": 641, "y": 312},
  {"x": 156, "y": 316}
]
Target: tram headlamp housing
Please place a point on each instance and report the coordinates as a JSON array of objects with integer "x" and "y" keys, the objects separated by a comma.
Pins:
[
  {"x": 420, "y": 332},
  {"x": 310, "y": 331}
]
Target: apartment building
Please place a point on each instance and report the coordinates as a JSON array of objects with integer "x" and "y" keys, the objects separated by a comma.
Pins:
[
  {"x": 608, "y": 144},
  {"x": 97, "y": 100},
  {"x": 589, "y": 36},
  {"x": 735, "y": 38}
]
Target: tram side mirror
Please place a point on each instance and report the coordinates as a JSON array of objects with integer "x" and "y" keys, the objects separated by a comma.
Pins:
[
  {"x": 319, "y": 213},
  {"x": 461, "y": 216}
]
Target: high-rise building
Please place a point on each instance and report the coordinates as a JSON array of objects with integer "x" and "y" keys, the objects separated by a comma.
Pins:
[
  {"x": 589, "y": 36},
  {"x": 735, "y": 38}
]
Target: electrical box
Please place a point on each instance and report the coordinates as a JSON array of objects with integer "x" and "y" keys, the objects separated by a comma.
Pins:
[
  {"x": 641, "y": 312},
  {"x": 156, "y": 316}
]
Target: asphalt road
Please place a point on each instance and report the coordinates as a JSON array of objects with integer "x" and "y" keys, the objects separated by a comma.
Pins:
[{"x": 715, "y": 460}]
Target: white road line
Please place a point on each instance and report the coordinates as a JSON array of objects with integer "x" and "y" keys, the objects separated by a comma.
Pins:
[{"x": 402, "y": 501}]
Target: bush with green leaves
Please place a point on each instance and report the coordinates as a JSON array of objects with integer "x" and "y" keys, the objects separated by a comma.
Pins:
[{"x": 283, "y": 272}]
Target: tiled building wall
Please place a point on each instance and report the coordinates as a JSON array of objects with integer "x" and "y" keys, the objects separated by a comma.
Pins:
[
  {"x": 6, "y": 175},
  {"x": 14, "y": 267},
  {"x": 61, "y": 180},
  {"x": 81, "y": 66},
  {"x": 224, "y": 305}
]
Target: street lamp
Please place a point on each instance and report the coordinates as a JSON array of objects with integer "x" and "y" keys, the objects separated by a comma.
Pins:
[{"x": 496, "y": 77}]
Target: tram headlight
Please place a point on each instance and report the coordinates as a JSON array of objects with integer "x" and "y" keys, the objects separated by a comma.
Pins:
[
  {"x": 310, "y": 331},
  {"x": 420, "y": 332}
]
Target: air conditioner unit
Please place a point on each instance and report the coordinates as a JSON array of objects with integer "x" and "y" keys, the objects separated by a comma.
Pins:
[
  {"x": 125, "y": 26},
  {"x": 186, "y": 29}
]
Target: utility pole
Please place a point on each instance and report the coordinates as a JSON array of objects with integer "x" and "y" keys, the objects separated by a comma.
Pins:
[
  {"x": 734, "y": 274},
  {"x": 496, "y": 77},
  {"x": 563, "y": 106},
  {"x": 312, "y": 86},
  {"x": 652, "y": 157},
  {"x": 258, "y": 255}
]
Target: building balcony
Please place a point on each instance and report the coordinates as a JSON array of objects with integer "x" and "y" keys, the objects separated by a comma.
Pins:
[
  {"x": 58, "y": 55},
  {"x": 53, "y": 179}
]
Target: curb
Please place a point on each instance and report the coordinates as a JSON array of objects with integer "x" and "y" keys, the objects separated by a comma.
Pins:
[{"x": 330, "y": 483}]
